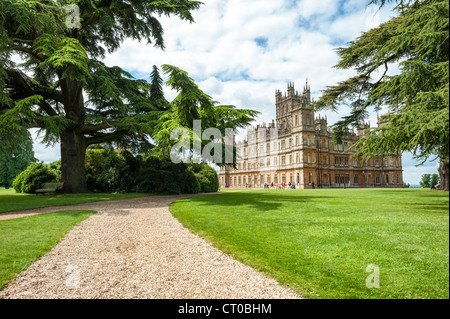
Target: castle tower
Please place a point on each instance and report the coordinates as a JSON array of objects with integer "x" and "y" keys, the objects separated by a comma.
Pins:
[{"x": 293, "y": 110}]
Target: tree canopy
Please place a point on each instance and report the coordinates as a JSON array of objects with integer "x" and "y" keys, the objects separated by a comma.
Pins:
[
  {"x": 14, "y": 160},
  {"x": 52, "y": 77},
  {"x": 416, "y": 41}
]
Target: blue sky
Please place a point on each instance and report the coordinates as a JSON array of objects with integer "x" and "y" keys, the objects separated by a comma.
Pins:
[{"x": 241, "y": 51}]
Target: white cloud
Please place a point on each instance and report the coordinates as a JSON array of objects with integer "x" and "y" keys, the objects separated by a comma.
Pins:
[
  {"x": 241, "y": 51},
  {"x": 41, "y": 151}
]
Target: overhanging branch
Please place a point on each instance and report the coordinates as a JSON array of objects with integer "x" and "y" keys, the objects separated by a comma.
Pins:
[{"x": 105, "y": 138}]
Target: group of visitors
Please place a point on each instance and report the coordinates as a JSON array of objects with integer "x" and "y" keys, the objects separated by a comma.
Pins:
[
  {"x": 270, "y": 186},
  {"x": 282, "y": 186}
]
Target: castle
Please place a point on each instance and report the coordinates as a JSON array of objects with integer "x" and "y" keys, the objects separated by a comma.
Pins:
[{"x": 298, "y": 149}]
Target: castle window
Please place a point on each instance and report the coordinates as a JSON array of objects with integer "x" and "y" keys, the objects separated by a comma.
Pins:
[
  {"x": 296, "y": 140},
  {"x": 308, "y": 140},
  {"x": 296, "y": 120},
  {"x": 385, "y": 162},
  {"x": 377, "y": 163},
  {"x": 309, "y": 157},
  {"x": 283, "y": 160},
  {"x": 290, "y": 159},
  {"x": 275, "y": 161},
  {"x": 307, "y": 120},
  {"x": 297, "y": 158},
  {"x": 355, "y": 179},
  {"x": 387, "y": 179}
]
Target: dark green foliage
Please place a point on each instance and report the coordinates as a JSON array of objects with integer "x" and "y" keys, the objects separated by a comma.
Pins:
[
  {"x": 206, "y": 176},
  {"x": 162, "y": 176},
  {"x": 110, "y": 171},
  {"x": 34, "y": 178},
  {"x": 15, "y": 160},
  {"x": 103, "y": 170}
]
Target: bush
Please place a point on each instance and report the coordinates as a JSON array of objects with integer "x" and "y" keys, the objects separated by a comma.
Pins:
[
  {"x": 110, "y": 171},
  {"x": 103, "y": 170},
  {"x": 34, "y": 177},
  {"x": 207, "y": 177},
  {"x": 162, "y": 176}
]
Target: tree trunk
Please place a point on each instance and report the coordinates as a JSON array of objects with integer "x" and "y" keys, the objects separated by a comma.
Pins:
[
  {"x": 73, "y": 153},
  {"x": 73, "y": 143},
  {"x": 444, "y": 174}
]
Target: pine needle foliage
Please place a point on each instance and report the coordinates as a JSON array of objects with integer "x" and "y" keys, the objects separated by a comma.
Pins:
[
  {"x": 416, "y": 41},
  {"x": 62, "y": 87}
]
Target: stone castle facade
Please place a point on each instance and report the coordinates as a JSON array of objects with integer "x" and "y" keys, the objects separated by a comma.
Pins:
[{"x": 298, "y": 149}]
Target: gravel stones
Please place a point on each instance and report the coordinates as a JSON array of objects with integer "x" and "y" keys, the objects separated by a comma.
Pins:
[{"x": 135, "y": 248}]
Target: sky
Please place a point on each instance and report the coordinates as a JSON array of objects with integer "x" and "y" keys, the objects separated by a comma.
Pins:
[{"x": 241, "y": 51}]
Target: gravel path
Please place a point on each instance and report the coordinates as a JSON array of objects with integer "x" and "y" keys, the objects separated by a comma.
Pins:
[{"x": 135, "y": 248}]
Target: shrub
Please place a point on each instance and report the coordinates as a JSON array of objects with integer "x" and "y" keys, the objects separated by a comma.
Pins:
[
  {"x": 162, "y": 176},
  {"x": 34, "y": 177},
  {"x": 110, "y": 171},
  {"x": 103, "y": 170},
  {"x": 207, "y": 177}
]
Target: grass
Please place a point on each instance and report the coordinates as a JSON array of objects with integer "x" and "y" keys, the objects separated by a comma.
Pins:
[
  {"x": 320, "y": 242},
  {"x": 11, "y": 201},
  {"x": 24, "y": 240}
]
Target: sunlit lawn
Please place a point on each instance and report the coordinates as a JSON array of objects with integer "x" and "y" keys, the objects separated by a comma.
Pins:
[
  {"x": 320, "y": 242},
  {"x": 24, "y": 240}
]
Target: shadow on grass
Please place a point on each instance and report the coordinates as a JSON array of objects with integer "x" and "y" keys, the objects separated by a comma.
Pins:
[
  {"x": 438, "y": 208},
  {"x": 263, "y": 201}
]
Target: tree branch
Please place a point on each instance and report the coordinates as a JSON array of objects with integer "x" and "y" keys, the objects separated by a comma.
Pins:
[
  {"x": 90, "y": 128},
  {"x": 28, "y": 51},
  {"x": 23, "y": 83},
  {"x": 105, "y": 138}
]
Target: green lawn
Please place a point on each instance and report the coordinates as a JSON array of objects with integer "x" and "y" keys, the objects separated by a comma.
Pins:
[
  {"x": 24, "y": 240},
  {"x": 11, "y": 201},
  {"x": 320, "y": 242}
]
